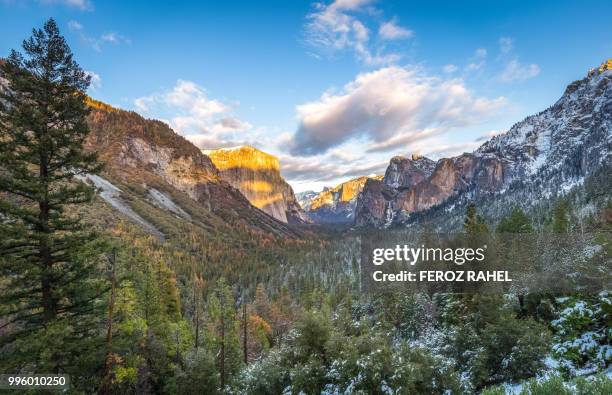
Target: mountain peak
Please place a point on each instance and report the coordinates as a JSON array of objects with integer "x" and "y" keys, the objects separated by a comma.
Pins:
[
  {"x": 606, "y": 65},
  {"x": 243, "y": 156}
]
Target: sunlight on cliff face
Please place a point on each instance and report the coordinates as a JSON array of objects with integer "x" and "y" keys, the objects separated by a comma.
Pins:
[
  {"x": 267, "y": 201},
  {"x": 256, "y": 175},
  {"x": 342, "y": 193},
  {"x": 351, "y": 189},
  {"x": 256, "y": 186},
  {"x": 243, "y": 157}
]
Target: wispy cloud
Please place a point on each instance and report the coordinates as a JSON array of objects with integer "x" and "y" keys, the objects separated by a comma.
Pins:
[
  {"x": 477, "y": 61},
  {"x": 391, "y": 31},
  {"x": 97, "y": 42},
  {"x": 392, "y": 104},
  {"x": 115, "y": 38},
  {"x": 450, "y": 68},
  {"x": 342, "y": 26},
  {"x": 207, "y": 122},
  {"x": 515, "y": 71}
]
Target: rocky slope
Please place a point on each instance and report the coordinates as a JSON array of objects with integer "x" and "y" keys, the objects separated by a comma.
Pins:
[
  {"x": 149, "y": 157},
  {"x": 337, "y": 205},
  {"x": 540, "y": 158},
  {"x": 257, "y": 175}
]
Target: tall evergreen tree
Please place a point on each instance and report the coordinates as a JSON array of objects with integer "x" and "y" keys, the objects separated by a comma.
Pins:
[
  {"x": 474, "y": 224},
  {"x": 560, "y": 217},
  {"x": 46, "y": 259},
  {"x": 225, "y": 325},
  {"x": 516, "y": 222}
]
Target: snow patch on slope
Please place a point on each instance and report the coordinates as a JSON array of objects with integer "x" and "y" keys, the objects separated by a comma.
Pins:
[
  {"x": 112, "y": 195},
  {"x": 163, "y": 201}
]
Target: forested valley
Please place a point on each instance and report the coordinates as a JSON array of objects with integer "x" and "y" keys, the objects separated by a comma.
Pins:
[{"x": 221, "y": 307}]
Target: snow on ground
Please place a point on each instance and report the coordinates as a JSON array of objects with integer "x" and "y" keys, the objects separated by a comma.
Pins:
[
  {"x": 162, "y": 200},
  {"x": 112, "y": 195}
]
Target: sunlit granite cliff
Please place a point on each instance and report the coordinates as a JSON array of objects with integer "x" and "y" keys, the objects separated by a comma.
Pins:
[
  {"x": 257, "y": 175},
  {"x": 337, "y": 204}
]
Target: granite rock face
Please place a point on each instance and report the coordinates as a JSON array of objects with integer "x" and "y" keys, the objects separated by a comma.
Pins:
[
  {"x": 413, "y": 185},
  {"x": 257, "y": 176},
  {"x": 403, "y": 172},
  {"x": 337, "y": 205}
]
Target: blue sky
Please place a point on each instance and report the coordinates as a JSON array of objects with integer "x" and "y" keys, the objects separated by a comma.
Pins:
[{"x": 334, "y": 89}]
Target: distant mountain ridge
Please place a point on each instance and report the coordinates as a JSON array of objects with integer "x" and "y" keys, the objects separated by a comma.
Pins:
[
  {"x": 336, "y": 205},
  {"x": 567, "y": 147},
  {"x": 542, "y": 157},
  {"x": 305, "y": 199}
]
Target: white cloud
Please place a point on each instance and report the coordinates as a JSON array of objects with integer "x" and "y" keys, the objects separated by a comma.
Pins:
[
  {"x": 189, "y": 96},
  {"x": 481, "y": 53},
  {"x": 391, "y": 31},
  {"x": 449, "y": 68},
  {"x": 207, "y": 122},
  {"x": 96, "y": 81},
  {"x": 515, "y": 71},
  {"x": 384, "y": 104},
  {"x": 336, "y": 27}
]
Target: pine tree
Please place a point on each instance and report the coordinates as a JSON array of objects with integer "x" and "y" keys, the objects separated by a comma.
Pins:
[
  {"x": 560, "y": 217},
  {"x": 474, "y": 224},
  {"x": 516, "y": 222},
  {"x": 47, "y": 260},
  {"x": 225, "y": 329}
]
